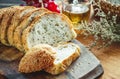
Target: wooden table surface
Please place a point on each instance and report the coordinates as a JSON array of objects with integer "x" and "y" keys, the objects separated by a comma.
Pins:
[{"x": 109, "y": 58}]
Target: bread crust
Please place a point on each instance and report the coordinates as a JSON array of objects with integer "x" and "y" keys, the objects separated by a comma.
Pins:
[
  {"x": 36, "y": 59},
  {"x": 28, "y": 29},
  {"x": 24, "y": 24},
  {"x": 65, "y": 18},
  {"x": 61, "y": 67},
  {"x": 15, "y": 22}
]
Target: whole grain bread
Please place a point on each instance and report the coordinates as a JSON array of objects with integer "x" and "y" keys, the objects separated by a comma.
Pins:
[
  {"x": 49, "y": 28},
  {"x": 24, "y": 24}
]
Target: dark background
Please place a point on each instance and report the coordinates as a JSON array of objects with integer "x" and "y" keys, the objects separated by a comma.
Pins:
[{"x": 6, "y": 3}]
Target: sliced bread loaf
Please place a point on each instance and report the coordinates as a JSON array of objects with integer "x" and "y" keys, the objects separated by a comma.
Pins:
[
  {"x": 26, "y": 21},
  {"x": 38, "y": 58},
  {"x": 16, "y": 20},
  {"x": 49, "y": 28},
  {"x": 65, "y": 55}
]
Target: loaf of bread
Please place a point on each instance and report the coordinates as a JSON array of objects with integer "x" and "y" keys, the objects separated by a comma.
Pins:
[
  {"x": 53, "y": 60},
  {"x": 43, "y": 35},
  {"x": 28, "y": 26}
]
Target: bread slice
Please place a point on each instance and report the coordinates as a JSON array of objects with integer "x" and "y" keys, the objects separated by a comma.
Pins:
[
  {"x": 2, "y": 11},
  {"x": 1, "y": 15},
  {"x": 26, "y": 21},
  {"x": 49, "y": 28},
  {"x": 65, "y": 55},
  {"x": 6, "y": 21},
  {"x": 16, "y": 20},
  {"x": 38, "y": 58}
]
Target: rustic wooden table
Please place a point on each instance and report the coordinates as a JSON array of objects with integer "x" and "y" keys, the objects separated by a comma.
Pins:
[{"x": 109, "y": 58}]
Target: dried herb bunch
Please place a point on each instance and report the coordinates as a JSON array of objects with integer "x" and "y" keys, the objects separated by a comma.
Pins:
[{"x": 106, "y": 28}]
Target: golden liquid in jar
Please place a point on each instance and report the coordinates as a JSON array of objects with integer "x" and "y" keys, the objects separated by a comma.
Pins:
[{"x": 77, "y": 13}]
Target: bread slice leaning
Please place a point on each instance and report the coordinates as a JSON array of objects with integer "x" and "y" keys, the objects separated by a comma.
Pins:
[
  {"x": 49, "y": 28},
  {"x": 6, "y": 21},
  {"x": 38, "y": 58},
  {"x": 17, "y": 18},
  {"x": 2, "y": 11},
  {"x": 24, "y": 24},
  {"x": 65, "y": 55}
]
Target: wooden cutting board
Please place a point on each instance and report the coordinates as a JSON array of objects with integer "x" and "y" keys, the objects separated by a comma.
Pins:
[{"x": 87, "y": 66}]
